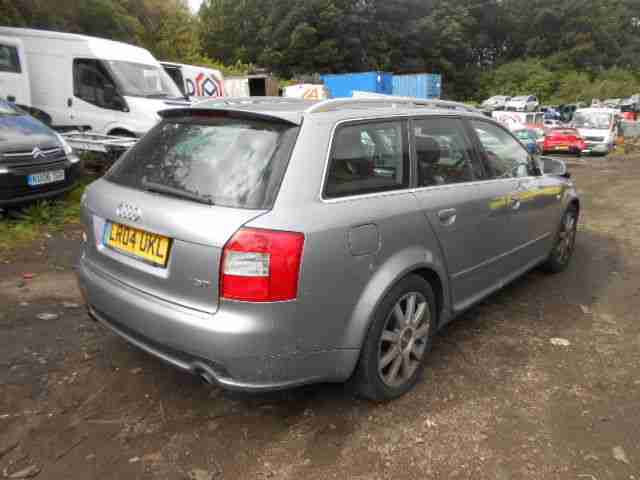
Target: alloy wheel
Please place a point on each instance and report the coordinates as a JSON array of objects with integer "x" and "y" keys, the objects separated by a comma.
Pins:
[
  {"x": 566, "y": 238},
  {"x": 404, "y": 339}
]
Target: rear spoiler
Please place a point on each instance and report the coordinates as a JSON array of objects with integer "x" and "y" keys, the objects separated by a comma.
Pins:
[{"x": 199, "y": 112}]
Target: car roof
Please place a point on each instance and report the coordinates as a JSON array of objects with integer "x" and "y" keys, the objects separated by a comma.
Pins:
[
  {"x": 294, "y": 110},
  {"x": 597, "y": 110}
]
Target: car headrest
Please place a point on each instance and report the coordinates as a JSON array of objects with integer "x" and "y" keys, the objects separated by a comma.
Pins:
[
  {"x": 427, "y": 150},
  {"x": 349, "y": 144}
]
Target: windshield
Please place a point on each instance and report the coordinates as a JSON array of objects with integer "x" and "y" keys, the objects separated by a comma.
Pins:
[
  {"x": 6, "y": 109},
  {"x": 233, "y": 162},
  {"x": 140, "y": 80},
  {"x": 524, "y": 135},
  {"x": 595, "y": 120}
]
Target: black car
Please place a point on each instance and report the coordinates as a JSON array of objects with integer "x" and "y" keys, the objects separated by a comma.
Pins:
[{"x": 36, "y": 163}]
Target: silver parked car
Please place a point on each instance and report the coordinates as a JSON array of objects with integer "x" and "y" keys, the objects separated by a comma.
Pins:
[{"x": 263, "y": 244}]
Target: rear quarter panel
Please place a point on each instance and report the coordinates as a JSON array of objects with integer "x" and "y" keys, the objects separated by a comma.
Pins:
[{"x": 339, "y": 290}]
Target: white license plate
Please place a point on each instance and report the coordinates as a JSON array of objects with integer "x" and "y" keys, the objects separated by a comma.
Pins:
[{"x": 45, "y": 177}]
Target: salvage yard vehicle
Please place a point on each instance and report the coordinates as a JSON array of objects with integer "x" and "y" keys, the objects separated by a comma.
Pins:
[
  {"x": 526, "y": 103},
  {"x": 88, "y": 83},
  {"x": 563, "y": 139},
  {"x": 195, "y": 81},
  {"x": 36, "y": 163},
  {"x": 598, "y": 127},
  {"x": 497, "y": 102},
  {"x": 529, "y": 139},
  {"x": 271, "y": 243}
]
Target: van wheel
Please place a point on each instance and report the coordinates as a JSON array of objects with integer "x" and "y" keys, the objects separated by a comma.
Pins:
[
  {"x": 394, "y": 351},
  {"x": 564, "y": 245}
]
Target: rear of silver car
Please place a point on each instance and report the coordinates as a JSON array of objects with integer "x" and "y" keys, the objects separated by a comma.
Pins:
[{"x": 171, "y": 265}]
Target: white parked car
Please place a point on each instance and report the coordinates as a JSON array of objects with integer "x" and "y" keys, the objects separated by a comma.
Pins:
[
  {"x": 525, "y": 103},
  {"x": 497, "y": 102}
]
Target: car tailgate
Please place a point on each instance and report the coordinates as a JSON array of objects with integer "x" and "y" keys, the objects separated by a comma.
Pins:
[{"x": 196, "y": 232}]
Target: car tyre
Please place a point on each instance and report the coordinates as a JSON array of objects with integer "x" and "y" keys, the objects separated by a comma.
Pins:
[
  {"x": 393, "y": 355},
  {"x": 564, "y": 244}
]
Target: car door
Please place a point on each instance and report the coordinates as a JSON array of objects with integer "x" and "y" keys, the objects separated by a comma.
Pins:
[
  {"x": 14, "y": 73},
  {"x": 532, "y": 201},
  {"x": 95, "y": 101},
  {"x": 463, "y": 206}
]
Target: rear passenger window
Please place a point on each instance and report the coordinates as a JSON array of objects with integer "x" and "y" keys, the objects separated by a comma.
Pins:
[
  {"x": 368, "y": 158},
  {"x": 9, "y": 60},
  {"x": 504, "y": 154},
  {"x": 443, "y": 152}
]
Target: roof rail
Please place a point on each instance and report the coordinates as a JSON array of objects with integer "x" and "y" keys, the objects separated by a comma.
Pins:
[
  {"x": 386, "y": 101},
  {"x": 239, "y": 101}
]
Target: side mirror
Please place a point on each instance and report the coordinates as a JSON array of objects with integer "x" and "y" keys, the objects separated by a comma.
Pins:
[{"x": 553, "y": 166}]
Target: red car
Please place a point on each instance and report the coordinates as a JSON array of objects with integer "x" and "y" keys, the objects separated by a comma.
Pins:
[{"x": 563, "y": 140}]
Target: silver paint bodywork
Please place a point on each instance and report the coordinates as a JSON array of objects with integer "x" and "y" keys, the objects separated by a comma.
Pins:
[{"x": 472, "y": 237}]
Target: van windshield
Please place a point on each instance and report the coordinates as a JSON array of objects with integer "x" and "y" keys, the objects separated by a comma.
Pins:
[
  {"x": 595, "y": 120},
  {"x": 140, "y": 80},
  {"x": 219, "y": 160}
]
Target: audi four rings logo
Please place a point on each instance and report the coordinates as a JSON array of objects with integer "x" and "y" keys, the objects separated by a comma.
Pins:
[
  {"x": 129, "y": 212},
  {"x": 37, "y": 153}
]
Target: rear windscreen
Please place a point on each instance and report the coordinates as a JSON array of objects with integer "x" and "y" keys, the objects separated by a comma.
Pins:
[{"x": 233, "y": 162}]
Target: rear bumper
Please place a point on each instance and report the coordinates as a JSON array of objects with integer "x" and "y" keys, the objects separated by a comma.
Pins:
[
  {"x": 597, "y": 148},
  {"x": 558, "y": 148},
  {"x": 236, "y": 351},
  {"x": 14, "y": 189}
]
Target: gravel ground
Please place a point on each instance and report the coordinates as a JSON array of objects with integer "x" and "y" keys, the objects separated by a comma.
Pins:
[{"x": 540, "y": 381}]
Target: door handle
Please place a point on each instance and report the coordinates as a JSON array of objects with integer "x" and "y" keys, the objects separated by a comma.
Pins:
[
  {"x": 448, "y": 216},
  {"x": 69, "y": 102}
]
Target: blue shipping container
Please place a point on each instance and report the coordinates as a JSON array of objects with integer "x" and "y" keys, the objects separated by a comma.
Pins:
[
  {"x": 343, "y": 85},
  {"x": 423, "y": 85}
]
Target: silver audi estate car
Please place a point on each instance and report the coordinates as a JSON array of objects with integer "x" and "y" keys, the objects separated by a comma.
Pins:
[{"x": 268, "y": 243}]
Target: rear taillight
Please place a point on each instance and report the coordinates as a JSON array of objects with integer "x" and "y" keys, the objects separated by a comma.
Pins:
[{"x": 261, "y": 265}]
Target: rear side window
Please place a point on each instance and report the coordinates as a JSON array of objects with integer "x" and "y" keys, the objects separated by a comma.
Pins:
[
  {"x": 443, "y": 152},
  {"x": 9, "y": 59},
  {"x": 232, "y": 162},
  {"x": 368, "y": 158}
]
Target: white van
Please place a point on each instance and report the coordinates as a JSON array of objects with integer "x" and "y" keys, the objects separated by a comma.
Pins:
[
  {"x": 90, "y": 83},
  {"x": 194, "y": 81},
  {"x": 598, "y": 127}
]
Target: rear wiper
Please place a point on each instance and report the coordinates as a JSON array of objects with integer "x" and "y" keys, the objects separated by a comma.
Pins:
[{"x": 175, "y": 192}]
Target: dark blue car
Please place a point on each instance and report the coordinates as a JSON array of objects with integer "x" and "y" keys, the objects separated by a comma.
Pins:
[{"x": 35, "y": 162}]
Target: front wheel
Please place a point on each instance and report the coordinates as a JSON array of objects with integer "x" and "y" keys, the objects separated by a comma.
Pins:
[
  {"x": 393, "y": 354},
  {"x": 564, "y": 246}
]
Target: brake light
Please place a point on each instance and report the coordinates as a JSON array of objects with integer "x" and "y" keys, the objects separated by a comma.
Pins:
[{"x": 261, "y": 265}]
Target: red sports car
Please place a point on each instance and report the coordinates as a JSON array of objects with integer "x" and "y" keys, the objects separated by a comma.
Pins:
[{"x": 563, "y": 140}]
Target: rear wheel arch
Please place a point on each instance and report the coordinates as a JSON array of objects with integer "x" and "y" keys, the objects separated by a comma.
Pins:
[
  {"x": 433, "y": 279},
  {"x": 416, "y": 261}
]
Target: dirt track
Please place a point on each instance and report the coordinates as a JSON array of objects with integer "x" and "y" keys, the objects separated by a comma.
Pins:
[{"x": 498, "y": 401}]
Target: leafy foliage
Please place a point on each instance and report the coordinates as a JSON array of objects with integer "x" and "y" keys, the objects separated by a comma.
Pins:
[{"x": 557, "y": 49}]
